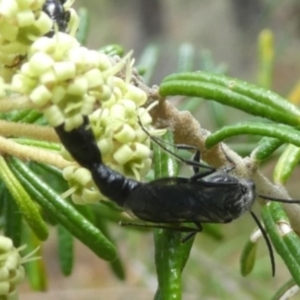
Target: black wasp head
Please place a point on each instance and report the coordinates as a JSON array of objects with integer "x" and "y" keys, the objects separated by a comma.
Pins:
[
  {"x": 234, "y": 194},
  {"x": 55, "y": 10},
  {"x": 246, "y": 198}
]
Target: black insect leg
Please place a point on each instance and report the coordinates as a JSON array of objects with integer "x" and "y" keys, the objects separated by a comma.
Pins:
[
  {"x": 197, "y": 157},
  {"x": 279, "y": 199},
  {"x": 190, "y": 230},
  {"x": 228, "y": 169},
  {"x": 194, "y": 163},
  {"x": 266, "y": 238},
  {"x": 189, "y": 236}
]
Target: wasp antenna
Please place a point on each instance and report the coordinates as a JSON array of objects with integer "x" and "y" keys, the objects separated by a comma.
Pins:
[
  {"x": 195, "y": 162},
  {"x": 279, "y": 199},
  {"x": 266, "y": 238}
]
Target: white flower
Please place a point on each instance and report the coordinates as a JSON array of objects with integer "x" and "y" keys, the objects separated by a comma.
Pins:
[
  {"x": 11, "y": 270},
  {"x": 124, "y": 145},
  {"x": 21, "y": 23}
]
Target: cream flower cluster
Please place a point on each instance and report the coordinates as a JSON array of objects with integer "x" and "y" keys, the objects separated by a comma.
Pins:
[
  {"x": 62, "y": 79},
  {"x": 82, "y": 187},
  {"x": 66, "y": 82},
  {"x": 21, "y": 23},
  {"x": 124, "y": 146},
  {"x": 122, "y": 142},
  {"x": 11, "y": 269}
]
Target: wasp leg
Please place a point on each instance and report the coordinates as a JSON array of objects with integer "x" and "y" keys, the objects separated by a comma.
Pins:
[
  {"x": 161, "y": 226},
  {"x": 228, "y": 169},
  {"x": 194, "y": 163},
  {"x": 192, "y": 234}
]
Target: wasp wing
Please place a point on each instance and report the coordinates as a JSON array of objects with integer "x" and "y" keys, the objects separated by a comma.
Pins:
[{"x": 178, "y": 200}]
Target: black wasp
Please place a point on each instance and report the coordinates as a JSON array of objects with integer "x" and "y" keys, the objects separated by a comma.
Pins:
[
  {"x": 55, "y": 10},
  {"x": 210, "y": 196}
]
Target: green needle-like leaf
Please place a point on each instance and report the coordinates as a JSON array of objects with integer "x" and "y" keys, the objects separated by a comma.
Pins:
[
  {"x": 84, "y": 24},
  {"x": 167, "y": 242},
  {"x": 26, "y": 116},
  {"x": 248, "y": 257},
  {"x": 289, "y": 289},
  {"x": 226, "y": 86},
  {"x": 65, "y": 250},
  {"x": 13, "y": 219},
  {"x": 112, "y": 50},
  {"x": 35, "y": 269},
  {"x": 186, "y": 58},
  {"x": 26, "y": 206},
  {"x": 147, "y": 62},
  {"x": 116, "y": 265},
  {"x": 289, "y": 256},
  {"x": 228, "y": 97},
  {"x": 286, "y": 164},
  {"x": 39, "y": 144},
  {"x": 282, "y": 132},
  {"x": 266, "y": 58},
  {"x": 63, "y": 212},
  {"x": 170, "y": 253},
  {"x": 266, "y": 148}
]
